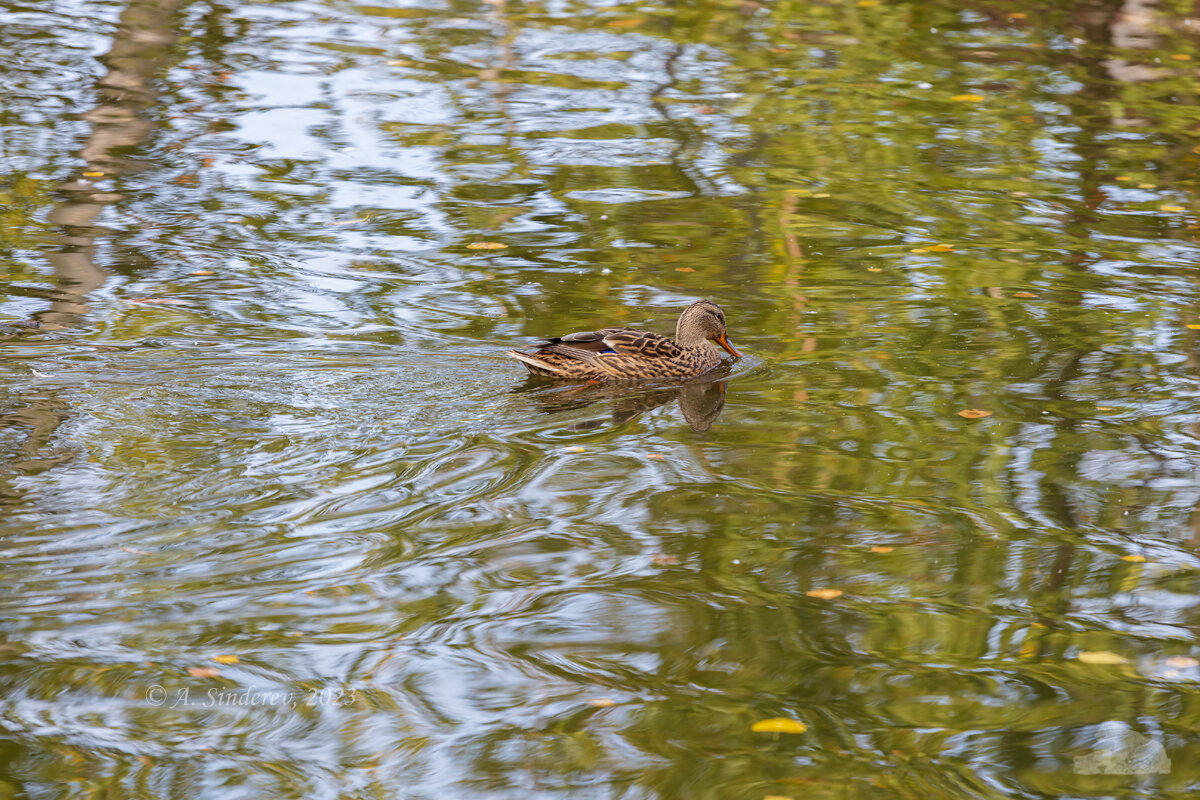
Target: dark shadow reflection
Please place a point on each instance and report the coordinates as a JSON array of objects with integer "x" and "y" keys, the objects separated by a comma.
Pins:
[
  {"x": 701, "y": 401},
  {"x": 118, "y": 121}
]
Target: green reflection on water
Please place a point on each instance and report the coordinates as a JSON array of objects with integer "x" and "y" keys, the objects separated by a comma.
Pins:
[{"x": 314, "y": 456}]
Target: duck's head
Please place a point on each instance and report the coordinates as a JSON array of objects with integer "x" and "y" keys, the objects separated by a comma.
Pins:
[{"x": 703, "y": 321}]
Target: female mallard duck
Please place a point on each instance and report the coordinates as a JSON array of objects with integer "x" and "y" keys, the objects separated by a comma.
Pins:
[{"x": 627, "y": 354}]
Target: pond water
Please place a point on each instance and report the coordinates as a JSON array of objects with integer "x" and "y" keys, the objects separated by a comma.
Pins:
[{"x": 280, "y": 519}]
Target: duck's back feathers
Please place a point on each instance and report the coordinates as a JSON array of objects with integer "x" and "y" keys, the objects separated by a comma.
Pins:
[{"x": 621, "y": 341}]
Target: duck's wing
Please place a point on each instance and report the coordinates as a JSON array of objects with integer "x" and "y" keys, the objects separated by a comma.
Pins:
[{"x": 590, "y": 345}]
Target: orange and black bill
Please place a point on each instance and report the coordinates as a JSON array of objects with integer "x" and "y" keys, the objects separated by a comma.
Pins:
[{"x": 723, "y": 340}]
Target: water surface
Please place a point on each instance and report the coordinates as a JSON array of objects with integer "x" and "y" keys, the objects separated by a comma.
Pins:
[{"x": 279, "y": 519}]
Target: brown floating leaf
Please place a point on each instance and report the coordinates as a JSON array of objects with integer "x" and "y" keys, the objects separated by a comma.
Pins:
[
  {"x": 601, "y": 702},
  {"x": 203, "y": 672},
  {"x": 656, "y": 456},
  {"x": 684, "y": 269},
  {"x": 824, "y": 594},
  {"x": 881, "y": 549},
  {"x": 632, "y": 22},
  {"x": 157, "y": 301},
  {"x": 664, "y": 560},
  {"x": 974, "y": 413},
  {"x": 203, "y": 272},
  {"x": 225, "y": 659},
  {"x": 1024, "y": 295},
  {"x": 486, "y": 246},
  {"x": 779, "y": 725},
  {"x": 1101, "y": 657}
]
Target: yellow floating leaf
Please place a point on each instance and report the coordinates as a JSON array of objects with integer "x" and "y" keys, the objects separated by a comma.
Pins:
[
  {"x": 486, "y": 246},
  {"x": 1193, "y": 326},
  {"x": 1136, "y": 559},
  {"x": 601, "y": 702},
  {"x": 225, "y": 659},
  {"x": 399, "y": 62},
  {"x": 1147, "y": 186},
  {"x": 1024, "y": 295},
  {"x": 782, "y": 796},
  {"x": 820, "y": 195},
  {"x": 1182, "y": 662},
  {"x": 203, "y": 672},
  {"x": 778, "y": 725},
  {"x": 967, "y": 98},
  {"x": 874, "y": 269},
  {"x": 934, "y": 248},
  {"x": 1104, "y": 408},
  {"x": 974, "y": 413},
  {"x": 93, "y": 174},
  {"x": 1171, "y": 208},
  {"x": 203, "y": 272},
  {"x": 1181, "y": 56},
  {"x": 868, "y": 3},
  {"x": 881, "y": 549},
  {"x": 626, "y": 23},
  {"x": 824, "y": 594},
  {"x": 1018, "y": 15},
  {"x": 1101, "y": 657},
  {"x": 1123, "y": 178},
  {"x": 684, "y": 269},
  {"x": 575, "y": 449}
]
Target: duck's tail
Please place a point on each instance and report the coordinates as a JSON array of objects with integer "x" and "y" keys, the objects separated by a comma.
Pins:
[{"x": 534, "y": 364}]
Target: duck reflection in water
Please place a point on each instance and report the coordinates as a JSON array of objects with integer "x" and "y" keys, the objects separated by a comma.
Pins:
[{"x": 700, "y": 401}]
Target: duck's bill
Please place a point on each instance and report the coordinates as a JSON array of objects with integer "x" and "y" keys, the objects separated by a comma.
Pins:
[{"x": 723, "y": 340}]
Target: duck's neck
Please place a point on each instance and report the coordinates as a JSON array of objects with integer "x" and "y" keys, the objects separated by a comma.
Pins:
[
  {"x": 689, "y": 336},
  {"x": 690, "y": 340}
]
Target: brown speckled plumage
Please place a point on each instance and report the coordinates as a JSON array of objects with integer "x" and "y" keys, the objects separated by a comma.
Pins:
[{"x": 627, "y": 354}]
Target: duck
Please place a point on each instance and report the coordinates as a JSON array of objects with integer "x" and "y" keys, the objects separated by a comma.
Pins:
[{"x": 629, "y": 354}]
